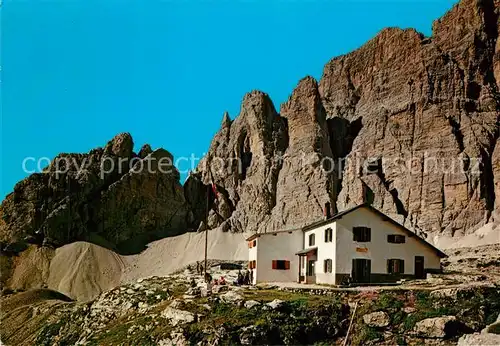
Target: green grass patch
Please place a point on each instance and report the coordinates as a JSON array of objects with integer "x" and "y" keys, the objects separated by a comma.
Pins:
[
  {"x": 388, "y": 301},
  {"x": 364, "y": 334},
  {"x": 494, "y": 328}
]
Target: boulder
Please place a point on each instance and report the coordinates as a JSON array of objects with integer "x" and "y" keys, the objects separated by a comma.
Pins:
[
  {"x": 437, "y": 327},
  {"x": 248, "y": 335},
  {"x": 177, "y": 338},
  {"x": 377, "y": 319},
  {"x": 193, "y": 291},
  {"x": 251, "y": 303},
  {"x": 275, "y": 304},
  {"x": 409, "y": 309},
  {"x": 177, "y": 316},
  {"x": 219, "y": 288},
  {"x": 484, "y": 339},
  {"x": 231, "y": 297}
]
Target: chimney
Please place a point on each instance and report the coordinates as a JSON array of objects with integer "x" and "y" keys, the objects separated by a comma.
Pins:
[{"x": 327, "y": 211}]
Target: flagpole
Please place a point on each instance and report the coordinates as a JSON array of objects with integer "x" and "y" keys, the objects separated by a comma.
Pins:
[{"x": 206, "y": 229}]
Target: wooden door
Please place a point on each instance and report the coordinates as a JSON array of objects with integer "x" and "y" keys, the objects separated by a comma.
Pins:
[
  {"x": 419, "y": 267},
  {"x": 361, "y": 270}
]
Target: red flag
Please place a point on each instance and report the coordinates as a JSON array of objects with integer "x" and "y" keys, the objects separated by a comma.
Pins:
[{"x": 214, "y": 189}]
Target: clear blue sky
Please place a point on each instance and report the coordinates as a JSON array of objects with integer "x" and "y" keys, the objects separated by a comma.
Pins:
[{"x": 77, "y": 72}]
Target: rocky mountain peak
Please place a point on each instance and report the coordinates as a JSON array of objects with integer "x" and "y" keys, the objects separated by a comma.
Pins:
[
  {"x": 121, "y": 145},
  {"x": 226, "y": 120},
  {"x": 98, "y": 195},
  {"x": 145, "y": 151}
]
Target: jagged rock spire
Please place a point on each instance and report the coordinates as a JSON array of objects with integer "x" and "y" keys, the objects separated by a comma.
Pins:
[{"x": 226, "y": 120}]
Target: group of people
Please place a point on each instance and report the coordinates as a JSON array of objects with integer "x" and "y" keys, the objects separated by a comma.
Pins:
[
  {"x": 244, "y": 279},
  {"x": 199, "y": 268}
]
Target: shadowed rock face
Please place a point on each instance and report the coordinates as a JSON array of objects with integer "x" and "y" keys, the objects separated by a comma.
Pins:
[
  {"x": 244, "y": 161},
  {"x": 431, "y": 103},
  {"x": 423, "y": 112},
  {"x": 110, "y": 192}
]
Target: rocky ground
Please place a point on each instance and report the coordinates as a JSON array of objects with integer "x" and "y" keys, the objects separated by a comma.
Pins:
[
  {"x": 179, "y": 310},
  {"x": 479, "y": 259}
]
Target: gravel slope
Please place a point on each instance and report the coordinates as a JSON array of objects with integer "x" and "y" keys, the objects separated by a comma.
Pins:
[{"x": 83, "y": 270}]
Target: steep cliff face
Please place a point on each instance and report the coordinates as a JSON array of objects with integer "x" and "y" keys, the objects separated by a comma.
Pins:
[
  {"x": 430, "y": 110},
  {"x": 306, "y": 181},
  {"x": 244, "y": 162},
  {"x": 110, "y": 192},
  {"x": 407, "y": 122}
]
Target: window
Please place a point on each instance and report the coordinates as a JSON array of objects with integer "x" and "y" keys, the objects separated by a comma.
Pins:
[
  {"x": 281, "y": 264},
  {"x": 328, "y": 235},
  {"x": 395, "y": 266},
  {"x": 362, "y": 234},
  {"x": 396, "y": 238},
  {"x": 327, "y": 266},
  {"x": 311, "y": 239},
  {"x": 252, "y": 264},
  {"x": 252, "y": 243}
]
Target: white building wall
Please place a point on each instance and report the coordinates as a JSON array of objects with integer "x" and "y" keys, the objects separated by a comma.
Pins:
[
  {"x": 252, "y": 256},
  {"x": 281, "y": 246},
  {"x": 325, "y": 251},
  {"x": 378, "y": 250}
]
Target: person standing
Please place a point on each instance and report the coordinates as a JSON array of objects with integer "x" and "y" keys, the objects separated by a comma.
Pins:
[
  {"x": 239, "y": 279},
  {"x": 246, "y": 277}
]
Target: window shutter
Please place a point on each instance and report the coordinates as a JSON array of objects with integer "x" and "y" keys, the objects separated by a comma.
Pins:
[
  {"x": 402, "y": 266},
  {"x": 389, "y": 266},
  {"x": 287, "y": 264},
  {"x": 275, "y": 264}
]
